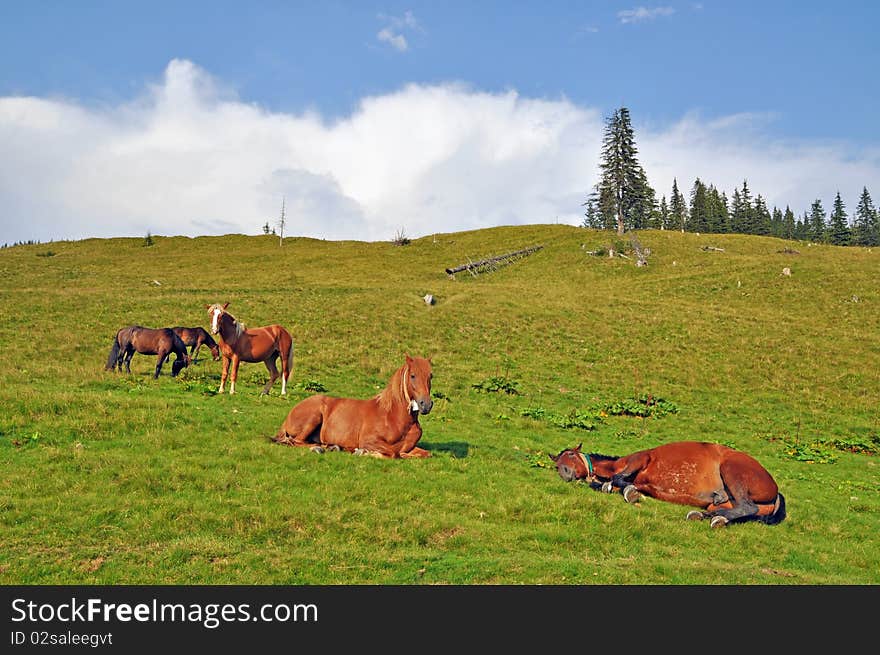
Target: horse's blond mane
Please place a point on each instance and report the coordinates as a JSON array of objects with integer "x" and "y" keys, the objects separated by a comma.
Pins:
[
  {"x": 239, "y": 326},
  {"x": 394, "y": 392}
]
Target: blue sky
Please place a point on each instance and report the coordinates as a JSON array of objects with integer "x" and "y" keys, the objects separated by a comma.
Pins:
[{"x": 118, "y": 118}]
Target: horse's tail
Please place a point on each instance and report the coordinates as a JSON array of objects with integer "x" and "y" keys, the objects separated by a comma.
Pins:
[
  {"x": 778, "y": 514},
  {"x": 290, "y": 358},
  {"x": 114, "y": 354}
]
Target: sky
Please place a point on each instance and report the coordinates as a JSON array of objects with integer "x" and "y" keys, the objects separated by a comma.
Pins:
[{"x": 373, "y": 119}]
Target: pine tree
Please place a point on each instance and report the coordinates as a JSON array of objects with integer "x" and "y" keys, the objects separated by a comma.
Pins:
[
  {"x": 743, "y": 219},
  {"x": 776, "y": 222},
  {"x": 788, "y": 224},
  {"x": 866, "y": 231},
  {"x": 760, "y": 217},
  {"x": 699, "y": 214},
  {"x": 802, "y": 228},
  {"x": 737, "y": 213},
  {"x": 677, "y": 208},
  {"x": 816, "y": 222},
  {"x": 624, "y": 199},
  {"x": 592, "y": 216},
  {"x": 723, "y": 214},
  {"x": 838, "y": 226},
  {"x": 716, "y": 210},
  {"x": 664, "y": 214}
]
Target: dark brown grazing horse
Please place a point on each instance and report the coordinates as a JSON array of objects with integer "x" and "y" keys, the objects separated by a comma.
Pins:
[
  {"x": 195, "y": 337},
  {"x": 728, "y": 485},
  {"x": 386, "y": 425},
  {"x": 260, "y": 344},
  {"x": 147, "y": 341}
]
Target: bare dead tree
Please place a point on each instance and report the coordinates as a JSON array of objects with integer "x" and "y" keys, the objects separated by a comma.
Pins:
[{"x": 282, "y": 220}]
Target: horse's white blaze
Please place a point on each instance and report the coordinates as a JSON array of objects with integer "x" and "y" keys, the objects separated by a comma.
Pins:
[{"x": 215, "y": 317}]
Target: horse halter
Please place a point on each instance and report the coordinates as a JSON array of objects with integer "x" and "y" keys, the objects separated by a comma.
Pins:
[
  {"x": 410, "y": 402},
  {"x": 589, "y": 464}
]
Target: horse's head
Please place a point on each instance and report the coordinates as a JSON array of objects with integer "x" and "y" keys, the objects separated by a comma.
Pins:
[
  {"x": 572, "y": 464},
  {"x": 417, "y": 384},
  {"x": 215, "y": 311},
  {"x": 215, "y": 352},
  {"x": 179, "y": 364}
]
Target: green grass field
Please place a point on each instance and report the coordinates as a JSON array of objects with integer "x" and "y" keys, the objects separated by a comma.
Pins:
[{"x": 113, "y": 479}]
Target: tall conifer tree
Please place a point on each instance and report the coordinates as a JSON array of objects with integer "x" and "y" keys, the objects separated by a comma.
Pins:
[
  {"x": 788, "y": 224},
  {"x": 866, "y": 222},
  {"x": 838, "y": 225},
  {"x": 677, "y": 208},
  {"x": 699, "y": 214},
  {"x": 816, "y": 222},
  {"x": 625, "y": 197}
]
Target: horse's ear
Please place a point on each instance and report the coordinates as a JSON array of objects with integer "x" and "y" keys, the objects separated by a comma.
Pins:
[
  {"x": 225, "y": 305},
  {"x": 207, "y": 306},
  {"x": 552, "y": 457},
  {"x": 578, "y": 449},
  {"x": 408, "y": 358}
]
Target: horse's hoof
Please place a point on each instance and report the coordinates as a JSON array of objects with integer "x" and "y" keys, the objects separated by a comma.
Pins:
[
  {"x": 718, "y": 522},
  {"x": 694, "y": 515},
  {"x": 317, "y": 449},
  {"x": 333, "y": 448},
  {"x": 631, "y": 494},
  {"x": 607, "y": 487},
  {"x": 359, "y": 451}
]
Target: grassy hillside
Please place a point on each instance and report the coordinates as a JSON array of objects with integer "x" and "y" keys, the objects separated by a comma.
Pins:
[{"x": 108, "y": 478}]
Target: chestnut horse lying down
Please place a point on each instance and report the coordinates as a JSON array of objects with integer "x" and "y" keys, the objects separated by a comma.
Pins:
[
  {"x": 386, "y": 425},
  {"x": 728, "y": 485}
]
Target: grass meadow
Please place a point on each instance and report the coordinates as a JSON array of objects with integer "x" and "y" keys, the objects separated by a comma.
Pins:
[{"x": 107, "y": 478}]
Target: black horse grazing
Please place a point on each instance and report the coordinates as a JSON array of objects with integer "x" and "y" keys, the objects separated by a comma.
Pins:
[
  {"x": 147, "y": 341},
  {"x": 195, "y": 337}
]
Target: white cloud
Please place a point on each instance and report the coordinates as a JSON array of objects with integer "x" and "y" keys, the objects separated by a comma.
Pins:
[
  {"x": 640, "y": 14},
  {"x": 392, "y": 33},
  {"x": 397, "y": 41},
  {"x": 188, "y": 157}
]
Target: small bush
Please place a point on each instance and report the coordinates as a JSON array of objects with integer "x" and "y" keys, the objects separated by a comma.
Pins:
[
  {"x": 400, "y": 239},
  {"x": 496, "y": 384},
  {"x": 312, "y": 386}
]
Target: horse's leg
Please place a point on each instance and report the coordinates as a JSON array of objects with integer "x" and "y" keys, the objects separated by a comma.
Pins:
[
  {"x": 624, "y": 478},
  {"x": 273, "y": 374},
  {"x": 129, "y": 353},
  {"x": 301, "y": 423},
  {"x": 409, "y": 448},
  {"x": 234, "y": 373},
  {"x": 740, "y": 507},
  {"x": 160, "y": 359},
  {"x": 194, "y": 351},
  {"x": 224, "y": 373}
]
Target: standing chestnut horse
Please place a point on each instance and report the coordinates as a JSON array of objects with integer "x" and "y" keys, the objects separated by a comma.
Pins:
[
  {"x": 728, "y": 485},
  {"x": 147, "y": 341},
  {"x": 386, "y": 425},
  {"x": 195, "y": 337},
  {"x": 260, "y": 344}
]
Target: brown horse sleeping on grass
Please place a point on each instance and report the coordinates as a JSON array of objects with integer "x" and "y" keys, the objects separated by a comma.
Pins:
[
  {"x": 386, "y": 425},
  {"x": 728, "y": 485}
]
